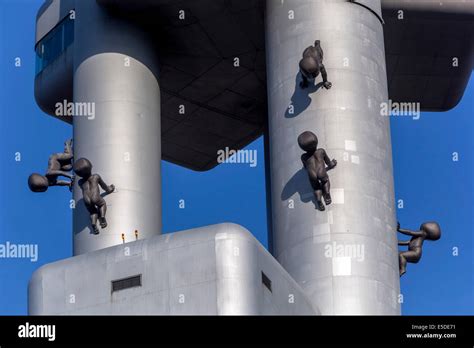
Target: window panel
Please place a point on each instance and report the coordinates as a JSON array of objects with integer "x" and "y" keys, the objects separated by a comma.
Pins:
[{"x": 54, "y": 43}]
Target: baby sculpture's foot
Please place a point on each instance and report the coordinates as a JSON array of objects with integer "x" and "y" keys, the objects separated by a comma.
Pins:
[
  {"x": 327, "y": 199},
  {"x": 103, "y": 222},
  {"x": 71, "y": 183},
  {"x": 321, "y": 206},
  {"x": 95, "y": 230}
]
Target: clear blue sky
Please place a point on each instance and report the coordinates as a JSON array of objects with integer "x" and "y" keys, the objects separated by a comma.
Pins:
[{"x": 430, "y": 183}]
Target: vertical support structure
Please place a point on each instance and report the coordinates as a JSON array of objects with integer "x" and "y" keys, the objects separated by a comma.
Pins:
[
  {"x": 115, "y": 73},
  {"x": 268, "y": 188},
  {"x": 345, "y": 258}
]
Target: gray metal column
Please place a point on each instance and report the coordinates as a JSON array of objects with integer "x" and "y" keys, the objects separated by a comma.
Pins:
[
  {"x": 346, "y": 257},
  {"x": 115, "y": 68}
]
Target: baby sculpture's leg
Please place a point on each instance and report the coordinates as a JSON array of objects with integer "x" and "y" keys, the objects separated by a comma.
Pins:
[
  {"x": 94, "y": 223},
  {"x": 102, "y": 210},
  {"x": 94, "y": 214},
  {"x": 326, "y": 190},
  {"x": 402, "y": 263},
  {"x": 318, "y": 194},
  {"x": 304, "y": 83},
  {"x": 412, "y": 256}
]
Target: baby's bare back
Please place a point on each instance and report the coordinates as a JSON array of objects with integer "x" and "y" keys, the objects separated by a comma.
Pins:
[
  {"x": 91, "y": 190},
  {"x": 316, "y": 166}
]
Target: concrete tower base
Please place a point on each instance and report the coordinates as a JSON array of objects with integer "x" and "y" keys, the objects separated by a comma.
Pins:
[{"x": 215, "y": 270}]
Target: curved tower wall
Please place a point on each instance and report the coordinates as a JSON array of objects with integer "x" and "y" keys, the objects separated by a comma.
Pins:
[
  {"x": 345, "y": 258},
  {"x": 115, "y": 72}
]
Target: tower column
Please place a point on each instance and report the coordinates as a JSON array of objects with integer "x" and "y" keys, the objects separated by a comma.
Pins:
[
  {"x": 346, "y": 257},
  {"x": 116, "y": 76}
]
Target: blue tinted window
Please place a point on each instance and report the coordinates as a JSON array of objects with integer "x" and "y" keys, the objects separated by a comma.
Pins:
[{"x": 54, "y": 43}]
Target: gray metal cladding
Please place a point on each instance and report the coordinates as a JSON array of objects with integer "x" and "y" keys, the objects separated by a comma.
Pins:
[
  {"x": 210, "y": 270},
  {"x": 346, "y": 257}
]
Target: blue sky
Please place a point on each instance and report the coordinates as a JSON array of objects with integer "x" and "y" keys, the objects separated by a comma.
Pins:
[{"x": 431, "y": 184}]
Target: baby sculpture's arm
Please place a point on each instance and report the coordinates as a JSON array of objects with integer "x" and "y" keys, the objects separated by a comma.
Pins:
[
  {"x": 63, "y": 183},
  {"x": 59, "y": 173},
  {"x": 409, "y": 232},
  {"x": 330, "y": 164},
  {"x": 326, "y": 83},
  {"x": 304, "y": 158},
  {"x": 105, "y": 187},
  {"x": 402, "y": 243},
  {"x": 324, "y": 74}
]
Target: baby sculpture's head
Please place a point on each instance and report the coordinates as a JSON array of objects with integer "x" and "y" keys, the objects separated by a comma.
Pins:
[
  {"x": 432, "y": 230},
  {"x": 83, "y": 167},
  {"x": 308, "y": 141},
  {"x": 38, "y": 183}
]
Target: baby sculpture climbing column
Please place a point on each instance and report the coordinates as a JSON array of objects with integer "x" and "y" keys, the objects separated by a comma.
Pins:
[
  {"x": 116, "y": 71},
  {"x": 344, "y": 257}
]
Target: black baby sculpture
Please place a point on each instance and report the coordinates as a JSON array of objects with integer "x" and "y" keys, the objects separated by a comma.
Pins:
[
  {"x": 311, "y": 64},
  {"x": 315, "y": 161},
  {"x": 59, "y": 164},
  {"x": 89, "y": 185},
  {"x": 428, "y": 230}
]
